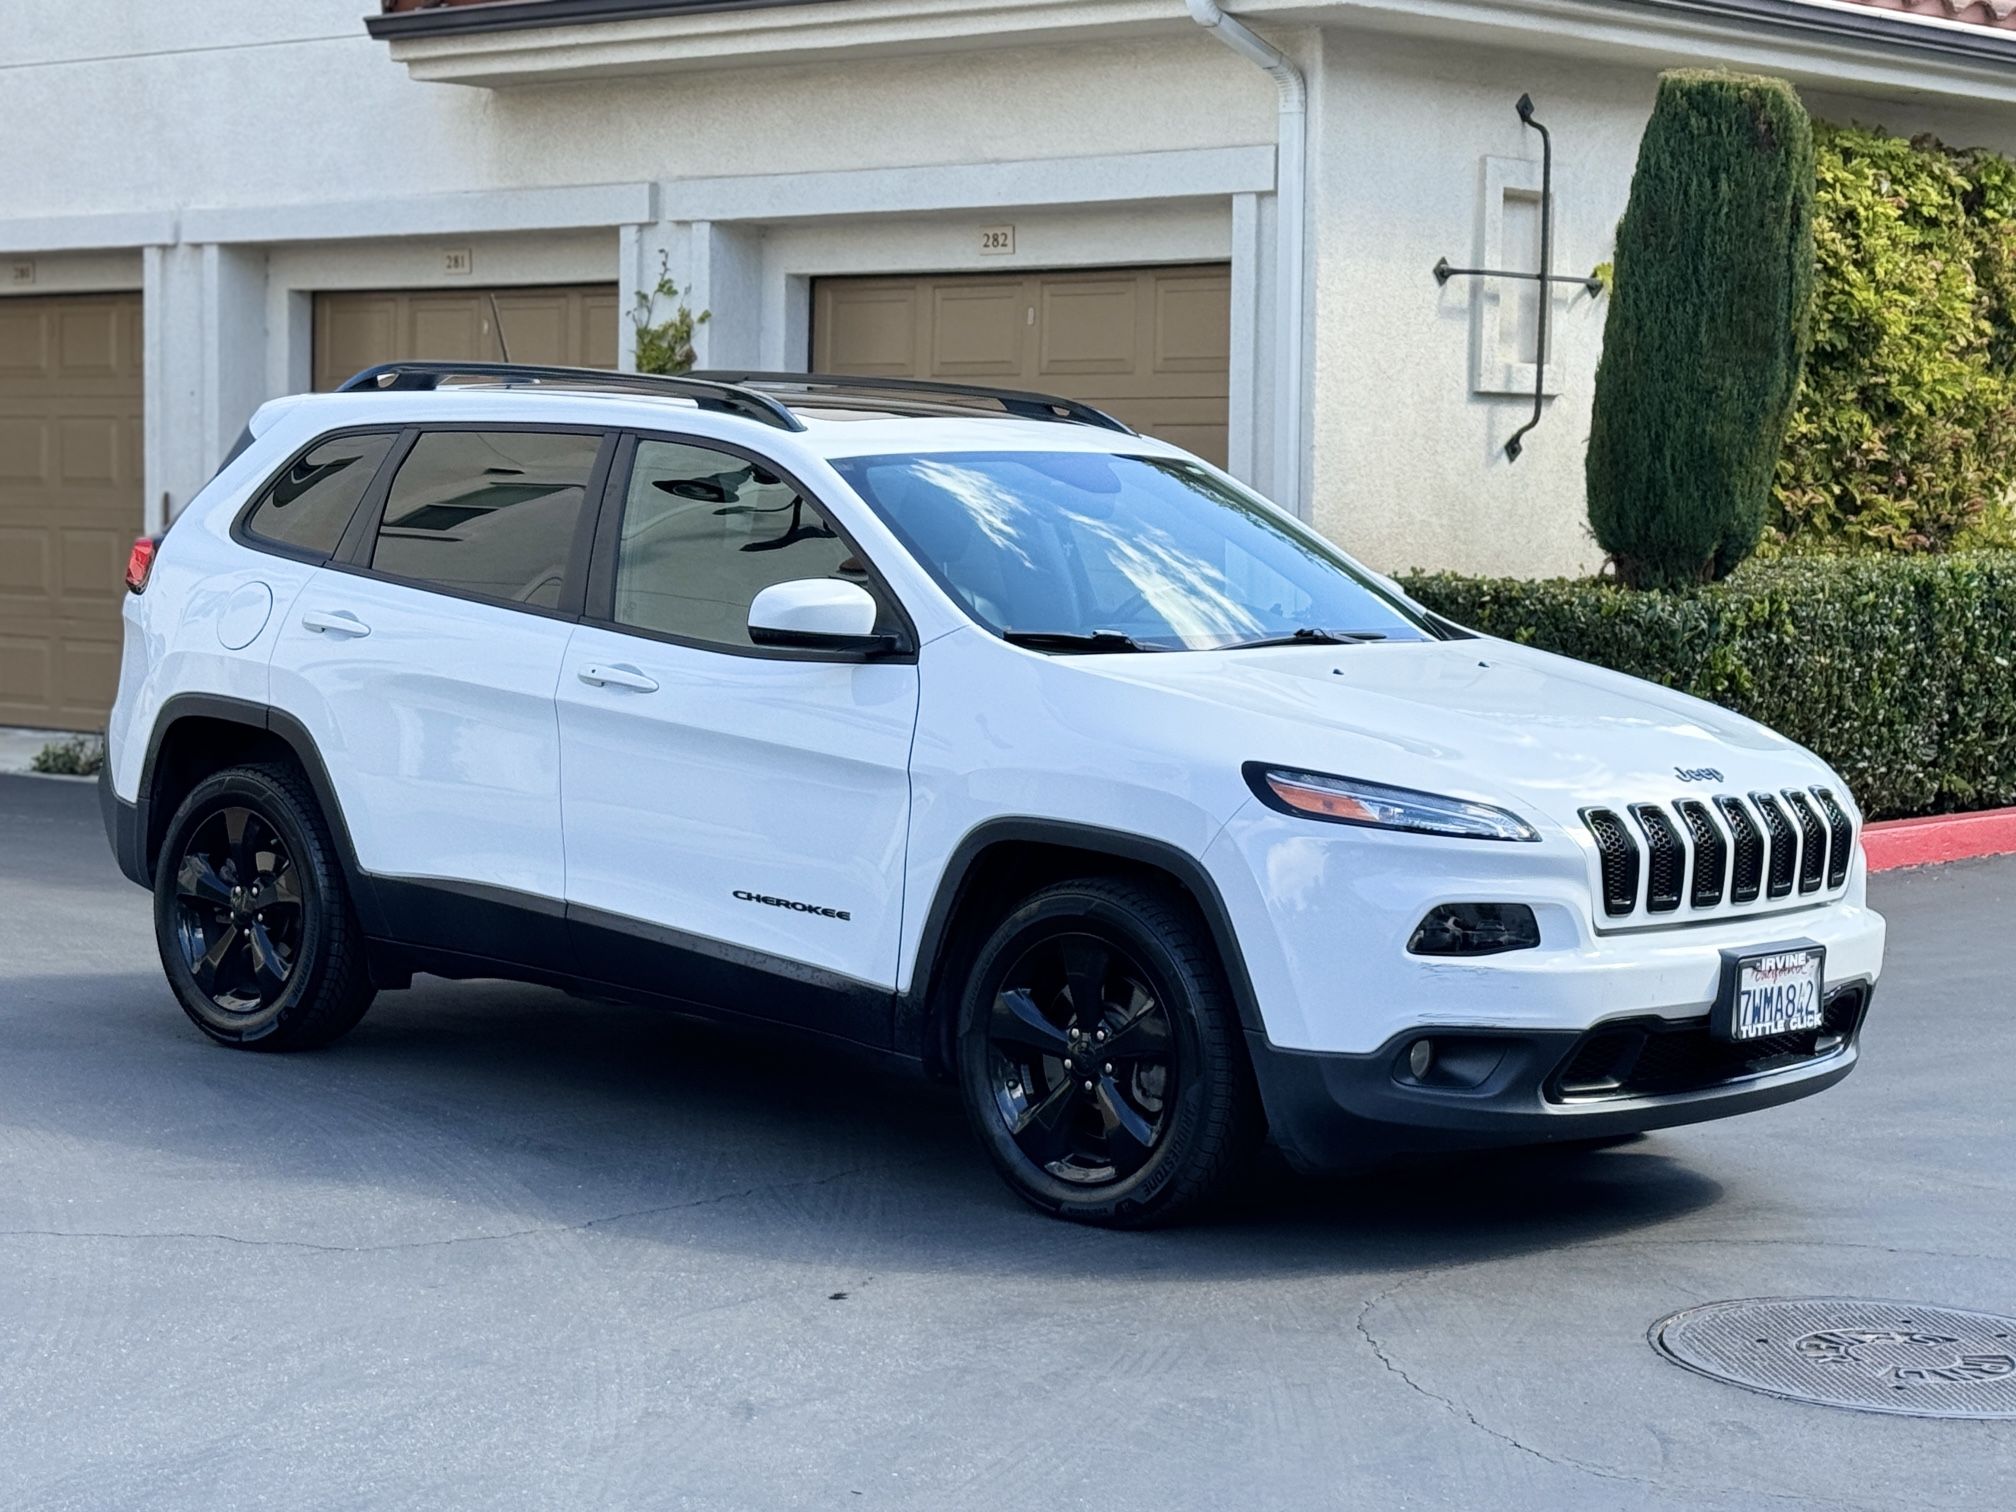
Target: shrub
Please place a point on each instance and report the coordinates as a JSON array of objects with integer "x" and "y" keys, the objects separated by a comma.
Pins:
[
  {"x": 79, "y": 756},
  {"x": 1707, "y": 329},
  {"x": 1899, "y": 673},
  {"x": 1904, "y": 437},
  {"x": 665, "y": 346}
]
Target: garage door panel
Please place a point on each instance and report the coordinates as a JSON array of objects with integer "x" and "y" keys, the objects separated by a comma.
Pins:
[
  {"x": 70, "y": 502},
  {"x": 24, "y": 338},
  {"x": 1193, "y": 317},
  {"x": 87, "y": 673},
  {"x": 536, "y": 326},
  {"x": 24, "y": 449},
  {"x": 94, "y": 564},
  {"x": 24, "y": 564},
  {"x": 453, "y": 330},
  {"x": 870, "y": 329},
  {"x": 977, "y": 331},
  {"x": 1089, "y": 329},
  {"x": 348, "y": 332},
  {"x": 27, "y": 678},
  {"x": 88, "y": 451},
  {"x": 1151, "y": 345},
  {"x": 87, "y": 342}
]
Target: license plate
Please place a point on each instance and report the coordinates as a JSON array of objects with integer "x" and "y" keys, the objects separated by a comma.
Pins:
[{"x": 1778, "y": 990}]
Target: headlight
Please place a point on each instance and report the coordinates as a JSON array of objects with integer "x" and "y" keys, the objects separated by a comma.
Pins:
[{"x": 1347, "y": 800}]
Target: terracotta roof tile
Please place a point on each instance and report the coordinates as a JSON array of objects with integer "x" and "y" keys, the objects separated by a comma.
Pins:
[{"x": 1998, "y": 14}]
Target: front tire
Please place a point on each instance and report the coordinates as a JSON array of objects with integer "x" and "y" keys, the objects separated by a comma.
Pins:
[
  {"x": 1099, "y": 1056},
  {"x": 255, "y": 927}
]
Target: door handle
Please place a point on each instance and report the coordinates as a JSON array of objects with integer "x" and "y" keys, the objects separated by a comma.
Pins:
[
  {"x": 599, "y": 676},
  {"x": 335, "y": 622}
]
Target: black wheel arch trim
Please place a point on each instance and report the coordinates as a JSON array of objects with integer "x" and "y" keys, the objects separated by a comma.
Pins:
[
  {"x": 150, "y": 827},
  {"x": 922, "y": 1024}
]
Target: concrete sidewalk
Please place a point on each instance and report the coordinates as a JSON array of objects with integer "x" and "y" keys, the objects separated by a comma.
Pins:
[{"x": 19, "y": 748}]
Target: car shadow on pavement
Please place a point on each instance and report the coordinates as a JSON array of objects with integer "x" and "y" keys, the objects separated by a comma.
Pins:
[{"x": 520, "y": 1110}]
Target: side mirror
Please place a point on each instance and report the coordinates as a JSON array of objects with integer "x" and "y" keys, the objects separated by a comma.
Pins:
[{"x": 816, "y": 614}]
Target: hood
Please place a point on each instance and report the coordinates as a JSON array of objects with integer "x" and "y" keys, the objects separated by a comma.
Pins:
[{"x": 1481, "y": 719}]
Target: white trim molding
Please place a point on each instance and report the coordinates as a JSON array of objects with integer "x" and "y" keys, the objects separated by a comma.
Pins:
[
  {"x": 88, "y": 233},
  {"x": 589, "y": 207},
  {"x": 1124, "y": 178}
]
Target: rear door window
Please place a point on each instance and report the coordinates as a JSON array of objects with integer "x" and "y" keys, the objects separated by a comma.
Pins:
[
  {"x": 491, "y": 514},
  {"x": 308, "y": 506}
]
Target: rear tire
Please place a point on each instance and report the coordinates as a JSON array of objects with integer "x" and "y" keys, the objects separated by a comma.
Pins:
[
  {"x": 252, "y": 917},
  {"x": 1099, "y": 1056}
]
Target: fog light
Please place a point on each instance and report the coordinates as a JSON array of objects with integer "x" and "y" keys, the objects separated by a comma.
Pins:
[
  {"x": 1421, "y": 1059},
  {"x": 1474, "y": 929}
]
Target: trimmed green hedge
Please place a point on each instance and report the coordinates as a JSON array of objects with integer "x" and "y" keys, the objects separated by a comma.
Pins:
[
  {"x": 1904, "y": 437},
  {"x": 1900, "y": 672}
]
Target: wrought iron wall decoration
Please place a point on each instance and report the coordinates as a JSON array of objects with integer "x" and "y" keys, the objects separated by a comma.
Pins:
[{"x": 1546, "y": 277}]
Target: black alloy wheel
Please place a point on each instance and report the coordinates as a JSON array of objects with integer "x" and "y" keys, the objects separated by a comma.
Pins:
[
  {"x": 239, "y": 912},
  {"x": 1100, "y": 1057},
  {"x": 1080, "y": 1058},
  {"x": 254, "y": 922}
]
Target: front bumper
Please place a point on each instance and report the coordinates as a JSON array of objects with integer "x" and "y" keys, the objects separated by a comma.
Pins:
[{"x": 1537, "y": 1086}]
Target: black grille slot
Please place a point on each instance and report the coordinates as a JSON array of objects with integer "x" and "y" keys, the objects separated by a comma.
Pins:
[
  {"x": 1779, "y": 833},
  {"x": 1711, "y": 853},
  {"x": 1652, "y": 1058},
  {"x": 1842, "y": 830},
  {"x": 1746, "y": 877},
  {"x": 1619, "y": 853},
  {"x": 1813, "y": 850},
  {"x": 1666, "y": 865}
]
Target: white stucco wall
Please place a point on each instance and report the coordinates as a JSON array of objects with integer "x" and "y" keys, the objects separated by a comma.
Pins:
[
  {"x": 233, "y": 156},
  {"x": 1410, "y": 470}
]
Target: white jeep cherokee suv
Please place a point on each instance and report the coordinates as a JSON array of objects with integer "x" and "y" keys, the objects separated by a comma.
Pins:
[{"x": 970, "y": 727}]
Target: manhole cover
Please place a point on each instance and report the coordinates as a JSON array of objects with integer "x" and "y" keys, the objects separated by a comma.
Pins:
[{"x": 1840, "y": 1352}]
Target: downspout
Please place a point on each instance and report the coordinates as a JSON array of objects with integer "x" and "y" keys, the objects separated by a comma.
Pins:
[{"x": 1292, "y": 238}]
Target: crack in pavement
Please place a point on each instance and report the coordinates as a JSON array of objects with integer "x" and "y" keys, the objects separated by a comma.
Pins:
[
  {"x": 1562, "y": 1462},
  {"x": 454, "y": 1239}
]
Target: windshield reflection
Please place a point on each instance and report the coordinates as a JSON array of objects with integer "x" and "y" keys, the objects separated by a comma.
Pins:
[{"x": 1160, "y": 551}]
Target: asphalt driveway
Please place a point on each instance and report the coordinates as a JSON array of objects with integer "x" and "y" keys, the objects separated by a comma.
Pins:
[{"x": 504, "y": 1248}]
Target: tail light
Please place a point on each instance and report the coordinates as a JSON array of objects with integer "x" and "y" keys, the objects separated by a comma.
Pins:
[{"x": 140, "y": 563}]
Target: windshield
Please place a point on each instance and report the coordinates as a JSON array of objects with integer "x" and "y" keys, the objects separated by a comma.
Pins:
[{"x": 1123, "y": 552}]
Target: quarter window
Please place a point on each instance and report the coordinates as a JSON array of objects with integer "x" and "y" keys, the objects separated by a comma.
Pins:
[
  {"x": 309, "y": 505},
  {"x": 490, "y": 513},
  {"x": 704, "y": 532}
]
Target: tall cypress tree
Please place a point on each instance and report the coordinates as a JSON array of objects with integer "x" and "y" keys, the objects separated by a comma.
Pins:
[{"x": 1707, "y": 329}]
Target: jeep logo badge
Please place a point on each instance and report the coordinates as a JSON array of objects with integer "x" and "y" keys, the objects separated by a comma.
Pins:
[{"x": 1697, "y": 774}]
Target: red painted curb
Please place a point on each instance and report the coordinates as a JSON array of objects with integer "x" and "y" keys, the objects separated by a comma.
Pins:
[{"x": 1894, "y": 843}]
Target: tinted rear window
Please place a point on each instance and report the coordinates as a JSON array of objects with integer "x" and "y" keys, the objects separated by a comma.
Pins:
[
  {"x": 491, "y": 513},
  {"x": 309, "y": 505}
]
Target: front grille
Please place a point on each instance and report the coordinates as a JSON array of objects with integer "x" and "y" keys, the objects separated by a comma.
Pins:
[
  {"x": 1666, "y": 865},
  {"x": 1711, "y": 853},
  {"x": 1746, "y": 877},
  {"x": 1743, "y": 851},
  {"x": 1812, "y": 841},
  {"x": 1841, "y": 837},
  {"x": 1618, "y": 854},
  {"x": 1661, "y": 1058},
  {"x": 1783, "y": 848}
]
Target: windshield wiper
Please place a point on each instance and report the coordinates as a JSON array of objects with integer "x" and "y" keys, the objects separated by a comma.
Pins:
[
  {"x": 1098, "y": 641},
  {"x": 1309, "y": 635}
]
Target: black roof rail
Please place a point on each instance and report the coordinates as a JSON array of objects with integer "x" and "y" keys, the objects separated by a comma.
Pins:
[
  {"x": 707, "y": 394},
  {"x": 1016, "y": 402}
]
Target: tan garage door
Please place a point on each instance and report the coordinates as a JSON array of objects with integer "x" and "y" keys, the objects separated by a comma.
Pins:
[
  {"x": 70, "y": 502},
  {"x": 574, "y": 326},
  {"x": 1150, "y": 345}
]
